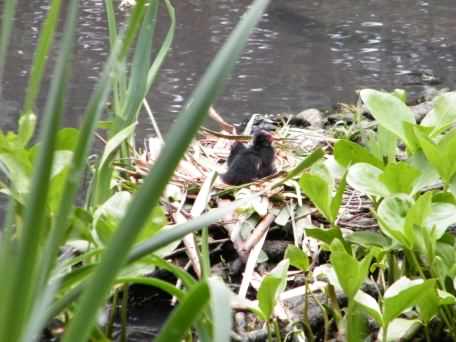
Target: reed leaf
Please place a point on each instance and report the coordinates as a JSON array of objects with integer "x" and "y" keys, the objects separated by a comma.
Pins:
[
  {"x": 24, "y": 290},
  {"x": 185, "y": 314},
  {"x": 9, "y": 11},
  {"x": 92, "y": 113},
  {"x": 41, "y": 56}
]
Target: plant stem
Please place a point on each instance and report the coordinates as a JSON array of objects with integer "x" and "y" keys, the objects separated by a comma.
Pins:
[
  {"x": 426, "y": 333},
  {"x": 124, "y": 313},
  {"x": 268, "y": 326},
  {"x": 112, "y": 314},
  {"x": 277, "y": 331}
]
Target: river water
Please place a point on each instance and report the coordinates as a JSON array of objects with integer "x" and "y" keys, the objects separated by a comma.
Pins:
[{"x": 303, "y": 54}]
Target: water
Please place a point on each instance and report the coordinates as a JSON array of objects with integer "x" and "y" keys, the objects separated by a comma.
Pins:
[{"x": 303, "y": 54}]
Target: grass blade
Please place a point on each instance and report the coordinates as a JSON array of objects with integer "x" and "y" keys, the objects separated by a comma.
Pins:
[
  {"x": 147, "y": 197},
  {"x": 185, "y": 314},
  {"x": 221, "y": 310},
  {"x": 165, "y": 47},
  {"x": 9, "y": 11},
  {"x": 92, "y": 113},
  {"x": 24, "y": 289},
  {"x": 41, "y": 56}
]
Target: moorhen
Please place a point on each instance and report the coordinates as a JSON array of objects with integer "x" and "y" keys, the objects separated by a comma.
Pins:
[{"x": 246, "y": 164}]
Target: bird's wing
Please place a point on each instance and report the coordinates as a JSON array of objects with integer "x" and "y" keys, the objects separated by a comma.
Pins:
[{"x": 235, "y": 149}]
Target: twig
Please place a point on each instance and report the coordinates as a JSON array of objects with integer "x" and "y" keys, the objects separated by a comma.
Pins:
[{"x": 153, "y": 121}]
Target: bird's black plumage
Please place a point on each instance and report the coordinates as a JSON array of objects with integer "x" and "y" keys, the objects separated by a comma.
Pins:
[{"x": 246, "y": 164}]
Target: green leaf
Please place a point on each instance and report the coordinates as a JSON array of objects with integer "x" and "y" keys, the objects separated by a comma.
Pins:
[
  {"x": 348, "y": 153},
  {"x": 441, "y": 216},
  {"x": 104, "y": 171},
  {"x": 416, "y": 216},
  {"x": 185, "y": 314},
  {"x": 402, "y": 329},
  {"x": 390, "y": 112},
  {"x": 178, "y": 139},
  {"x": 428, "y": 174},
  {"x": 392, "y": 215},
  {"x": 350, "y": 272},
  {"x": 399, "y": 177},
  {"x": 370, "y": 305},
  {"x": 366, "y": 179},
  {"x": 368, "y": 239},
  {"x": 325, "y": 235},
  {"x": 357, "y": 323},
  {"x": 304, "y": 164},
  {"x": 17, "y": 167},
  {"x": 221, "y": 310},
  {"x": 317, "y": 190},
  {"x": 440, "y": 155},
  {"x": 298, "y": 258},
  {"x": 382, "y": 144},
  {"x": 428, "y": 305},
  {"x": 403, "y": 294},
  {"x": 27, "y": 124},
  {"x": 108, "y": 215},
  {"x": 271, "y": 287},
  {"x": 443, "y": 113},
  {"x": 337, "y": 200}
]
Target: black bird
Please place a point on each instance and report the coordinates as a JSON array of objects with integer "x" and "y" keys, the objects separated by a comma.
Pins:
[{"x": 246, "y": 164}]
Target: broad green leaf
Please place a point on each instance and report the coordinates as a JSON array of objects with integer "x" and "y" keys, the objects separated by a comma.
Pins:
[
  {"x": 369, "y": 238},
  {"x": 17, "y": 168},
  {"x": 442, "y": 215},
  {"x": 428, "y": 305},
  {"x": 443, "y": 113},
  {"x": 401, "y": 329},
  {"x": 325, "y": 235},
  {"x": 298, "y": 258},
  {"x": 382, "y": 144},
  {"x": 403, "y": 294},
  {"x": 108, "y": 215},
  {"x": 320, "y": 169},
  {"x": 390, "y": 112},
  {"x": 67, "y": 138},
  {"x": 440, "y": 155},
  {"x": 446, "y": 298},
  {"x": 185, "y": 314},
  {"x": 317, "y": 189},
  {"x": 399, "y": 177},
  {"x": 348, "y": 153},
  {"x": 370, "y": 305},
  {"x": 62, "y": 160},
  {"x": 415, "y": 219},
  {"x": 271, "y": 287},
  {"x": 366, "y": 179},
  {"x": 337, "y": 200},
  {"x": 392, "y": 214},
  {"x": 357, "y": 323},
  {"x": 428, "y": 174},
  {"x": 351, "y": 273}
]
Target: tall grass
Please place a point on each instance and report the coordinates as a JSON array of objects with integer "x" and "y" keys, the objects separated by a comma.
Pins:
[{"x": 33, "y": 235}]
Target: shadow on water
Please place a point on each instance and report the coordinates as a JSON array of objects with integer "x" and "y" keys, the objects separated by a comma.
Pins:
[{"x": 303, "y": 54}]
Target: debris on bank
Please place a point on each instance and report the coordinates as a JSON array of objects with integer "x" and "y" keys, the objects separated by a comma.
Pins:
[{"x": 248, "y": 243}]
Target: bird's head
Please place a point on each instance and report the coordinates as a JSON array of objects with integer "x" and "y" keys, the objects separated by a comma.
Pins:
[{"x": 262, "y": 138}]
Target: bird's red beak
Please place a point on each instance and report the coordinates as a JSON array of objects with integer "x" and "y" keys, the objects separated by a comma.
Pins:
[{"x": 269, "y": 137}]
